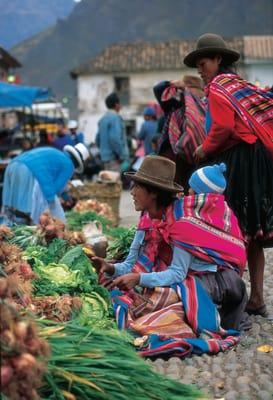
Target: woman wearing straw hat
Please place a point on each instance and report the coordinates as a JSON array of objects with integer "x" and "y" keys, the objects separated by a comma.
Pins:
[
  {"x": 178, "y": 240},
  {"x": 34, "y": 179},
  {"x": 239, "y": 125}
]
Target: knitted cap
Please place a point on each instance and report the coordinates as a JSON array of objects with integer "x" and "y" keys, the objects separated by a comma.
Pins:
[
  {"x": 209, "y": 179},
  {"x": 149, "y": 111}
]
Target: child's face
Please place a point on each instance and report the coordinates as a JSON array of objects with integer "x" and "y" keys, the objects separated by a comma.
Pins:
[{"x": 191, "y": 192}]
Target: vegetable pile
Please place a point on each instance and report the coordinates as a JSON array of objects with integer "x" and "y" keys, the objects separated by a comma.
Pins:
[
  {"x": 101, "y": 365},
  {"x": 46, "y": 271},
  {"x": 23, "y": 352},
  {"x": 101, "y": 209}
]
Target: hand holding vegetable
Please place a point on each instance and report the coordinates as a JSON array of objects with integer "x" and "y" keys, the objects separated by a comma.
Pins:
[
  {"x": 103, "y": 266},
  {"x": 125, "y": 282}
]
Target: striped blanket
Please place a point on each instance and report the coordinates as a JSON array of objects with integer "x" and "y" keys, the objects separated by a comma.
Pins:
[
  {"x": 182, "y": 319},
  {"x": 254, "y": 105},
  {"x": 186, "y": 125}
]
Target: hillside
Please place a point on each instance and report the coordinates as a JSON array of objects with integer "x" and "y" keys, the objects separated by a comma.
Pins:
[
  {"x": 20, "y": 19},
  {"x": 94, "y": 24}
]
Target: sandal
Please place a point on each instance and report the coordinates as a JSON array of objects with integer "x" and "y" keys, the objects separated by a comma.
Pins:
[{"x": 262, "y": 311}]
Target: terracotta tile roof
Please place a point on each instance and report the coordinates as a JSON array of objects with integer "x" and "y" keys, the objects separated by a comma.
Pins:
[
  {"x": 147, "y": 56},
  {"x": 258, "y": 47}
]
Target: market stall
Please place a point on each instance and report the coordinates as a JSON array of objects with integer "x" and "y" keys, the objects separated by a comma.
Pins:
[{"x": 59, "y": 339}]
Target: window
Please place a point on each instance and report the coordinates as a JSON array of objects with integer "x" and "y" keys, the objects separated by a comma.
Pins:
[{"x": 122, "y": 88}]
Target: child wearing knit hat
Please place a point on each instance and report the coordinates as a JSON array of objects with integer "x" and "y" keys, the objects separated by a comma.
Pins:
[{"x": 208, "y": 179}]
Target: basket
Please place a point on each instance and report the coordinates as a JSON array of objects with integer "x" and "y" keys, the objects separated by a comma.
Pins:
[{"x": 104, "y": 192}]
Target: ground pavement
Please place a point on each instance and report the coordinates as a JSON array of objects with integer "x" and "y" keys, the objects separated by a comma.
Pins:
[{"x": 243, "y": 373}]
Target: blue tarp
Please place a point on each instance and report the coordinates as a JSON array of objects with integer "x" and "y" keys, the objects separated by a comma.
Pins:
[{"x": 21, "y": 96}]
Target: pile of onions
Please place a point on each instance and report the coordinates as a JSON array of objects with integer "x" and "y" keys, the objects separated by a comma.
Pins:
[
  {"x": 51, "y": 228},
  {"x": 22, "y": 351},
  {"x": 102, "y": 209},
  {"x": 56, "y": 308},
  {"x": 5, "y": 232}
]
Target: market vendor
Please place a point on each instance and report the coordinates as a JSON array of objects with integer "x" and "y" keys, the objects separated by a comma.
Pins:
[
  {"x": 188, "y": 249},
  {"x": 34, "y": 179}
]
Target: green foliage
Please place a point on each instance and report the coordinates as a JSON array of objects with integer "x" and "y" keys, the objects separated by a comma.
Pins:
[
  {"x": 102, "y": 365},
  {"x": 119, "y": 248},
  {"x": 76, "y": 220}
]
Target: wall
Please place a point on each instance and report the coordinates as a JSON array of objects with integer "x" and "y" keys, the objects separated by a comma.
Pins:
[
  {"x": 92, "y": 91},
  {"x": 259, "y": 72}
]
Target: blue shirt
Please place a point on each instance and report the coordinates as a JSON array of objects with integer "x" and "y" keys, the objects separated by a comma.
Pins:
[
  {"x": 147, "y": 131},
  {"x": 111, "y": 139},
  {"x": 181, "y": 262},
  {"x": 77, "y": 138},
  {"x": 62, "y": 141},
  {"x": 51, "y": 167}
]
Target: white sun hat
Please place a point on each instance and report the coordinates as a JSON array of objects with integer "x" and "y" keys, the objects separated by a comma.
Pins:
[
  {"x": 72, "y": 124},
  {"x": 80, "y": 152}
]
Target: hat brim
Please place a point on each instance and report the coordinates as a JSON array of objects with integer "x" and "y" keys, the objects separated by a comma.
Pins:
[
  {"x": 174, "y": 187},
  {"x": 75, "y": 154},
  {"x": 191, "y": 59}
]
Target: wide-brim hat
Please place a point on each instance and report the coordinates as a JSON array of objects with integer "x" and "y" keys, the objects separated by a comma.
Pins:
[
  {"x": 156, "y": 171},
  {"x": 209, "y": 44},
  {"x": 80, "y": 152}
]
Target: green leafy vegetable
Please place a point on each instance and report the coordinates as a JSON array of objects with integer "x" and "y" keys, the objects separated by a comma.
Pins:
[
  {"x": 76, "y": 220},
  {"x": 76, "y": 259},
  {"x": 119, "y": 248},
  {"x": 95, "y": 312}
]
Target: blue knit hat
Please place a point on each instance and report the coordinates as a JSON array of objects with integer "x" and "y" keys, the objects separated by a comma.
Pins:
[
  {"x": 149, "y": 111},
  {"x": 209, "y": 179}
]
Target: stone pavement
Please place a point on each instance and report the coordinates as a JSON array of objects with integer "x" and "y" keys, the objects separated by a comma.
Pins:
[{"x": 243, "y": 373}]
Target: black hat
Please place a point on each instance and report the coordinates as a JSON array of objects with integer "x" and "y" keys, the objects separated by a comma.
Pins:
[
  {"x": 209, "y": 44},
  {"x": 111, "y": 100}
]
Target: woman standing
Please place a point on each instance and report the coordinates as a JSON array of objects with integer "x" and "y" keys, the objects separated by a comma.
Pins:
[{"x": 239, "y": 125}]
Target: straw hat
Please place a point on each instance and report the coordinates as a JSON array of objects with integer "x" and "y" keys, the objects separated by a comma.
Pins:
[
  {"x": 209, "y": 44},
  {"x": 80, "y": 153},
  {"x": 156, "y": 171}
]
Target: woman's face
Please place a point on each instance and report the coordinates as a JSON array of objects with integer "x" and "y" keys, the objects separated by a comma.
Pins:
[
  {"x": 143, "y": 199},
  {"x": 208, "y": 68}
]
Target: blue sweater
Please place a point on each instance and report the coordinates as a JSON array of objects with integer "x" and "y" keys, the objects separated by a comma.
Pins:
[
  {"x": 111, "y": 139},
  {"x": 51, "y": 168},
  {"x": 181, "y": 262}
]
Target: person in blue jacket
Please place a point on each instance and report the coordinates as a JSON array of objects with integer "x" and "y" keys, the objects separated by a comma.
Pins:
[
  {"x": 75, "y": 135},
  {"x": 34, "y": 179},
  {"x": 111, "y": 138},
  {"x": 148, "y": 129}
]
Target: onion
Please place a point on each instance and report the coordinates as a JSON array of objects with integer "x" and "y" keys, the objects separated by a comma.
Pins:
[
  {"x": 6, "y": 374},
  {"x": 21, "y": 329},
  {"x": 3, "y": 286},
  {"x": 24, "y": 361},
  {"x": 8, "y": 338}
]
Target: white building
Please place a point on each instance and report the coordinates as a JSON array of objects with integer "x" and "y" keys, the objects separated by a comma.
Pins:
[{"x": 132, "y": 69}]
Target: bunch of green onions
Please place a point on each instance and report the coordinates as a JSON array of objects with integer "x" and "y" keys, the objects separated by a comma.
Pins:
[{"x": 103, "y": 365}]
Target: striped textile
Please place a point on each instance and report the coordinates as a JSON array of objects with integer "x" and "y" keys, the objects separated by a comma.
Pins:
[
  {"x": 254, "y": 105},
  {"x": 203, "y": 225},
  {"x": 186, "y": 125},
  {"x": 165, "y": 328}
]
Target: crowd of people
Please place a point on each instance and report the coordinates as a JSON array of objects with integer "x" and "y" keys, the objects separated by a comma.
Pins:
[
  {"x": 203, "y": 184},
  {"x": 220, "y": 123}
]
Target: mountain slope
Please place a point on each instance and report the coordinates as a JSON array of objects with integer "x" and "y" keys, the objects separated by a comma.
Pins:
[
  {"x": 20, "y": 19},
  {"x": 94, "y": 24}
]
